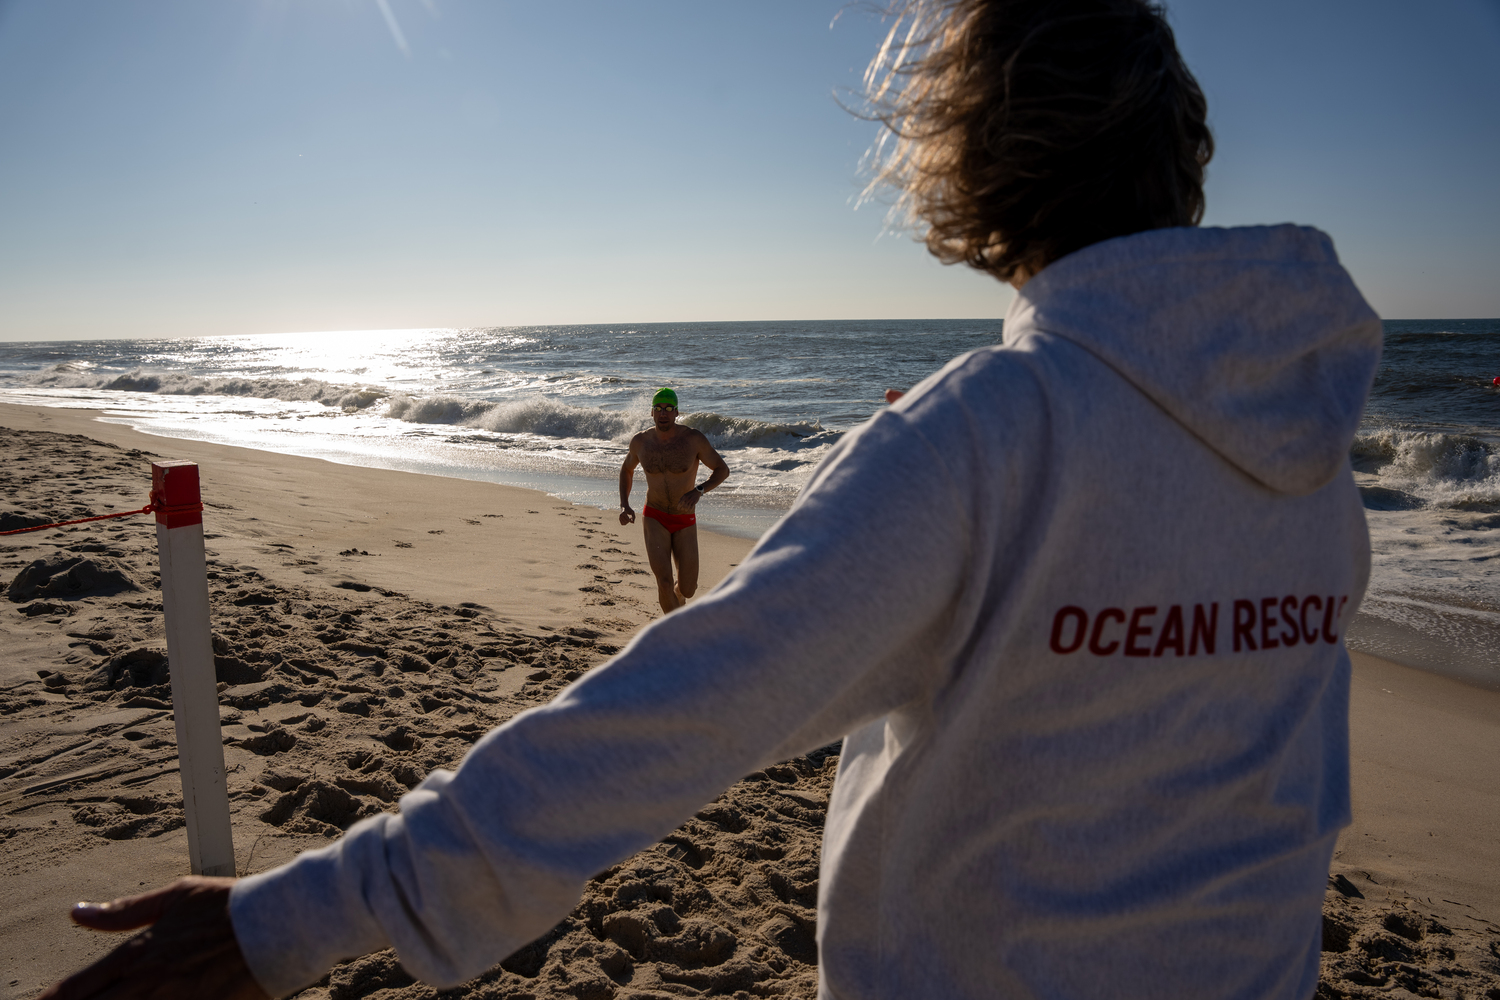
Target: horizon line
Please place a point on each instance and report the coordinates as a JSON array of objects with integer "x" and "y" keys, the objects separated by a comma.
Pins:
[{"x": 522, "y": 326}]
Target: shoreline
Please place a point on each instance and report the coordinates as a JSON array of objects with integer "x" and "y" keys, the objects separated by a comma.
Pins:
[
  {"x": 735, "y": 512},
  {"x": 352, "y": 664},
  {"x": 1457, "y": 642},
  {"x": 1396, "y": 642},
  {"x": 291, "y": 518}
]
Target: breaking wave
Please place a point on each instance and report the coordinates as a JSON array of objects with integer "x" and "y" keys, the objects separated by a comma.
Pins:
[
  {"x": 1447, "y": 470},
  {"x": 742, "y": 432},
  {"x": 547, "y": 418},
  {"x": 523, "y": 416},
  {"x": 291, "y": 390},
  {"x": 533, "y": 415}
]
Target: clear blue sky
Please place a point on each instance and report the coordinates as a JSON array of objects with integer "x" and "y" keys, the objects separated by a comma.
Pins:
[{"x": 175, "y": 167}]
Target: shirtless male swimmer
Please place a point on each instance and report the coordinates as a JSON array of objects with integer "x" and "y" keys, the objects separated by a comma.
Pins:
[{"x": 670, "y": 453}]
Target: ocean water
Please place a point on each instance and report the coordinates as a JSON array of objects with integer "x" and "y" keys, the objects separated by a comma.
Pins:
[
  {"x": 553, "y": 408},
  {"x": 1427, "y": 459},
  {"x": 549, "y": 408}
]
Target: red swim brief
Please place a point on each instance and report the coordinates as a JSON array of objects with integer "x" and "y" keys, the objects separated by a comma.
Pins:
[{"x": 672, "y": 522}]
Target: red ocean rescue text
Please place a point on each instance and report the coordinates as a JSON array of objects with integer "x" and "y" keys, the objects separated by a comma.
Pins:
[{"x": 1182, "y": 630}]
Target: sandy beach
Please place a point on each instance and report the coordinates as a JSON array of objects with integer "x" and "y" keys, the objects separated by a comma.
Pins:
[{"x": 371, "y": 625}]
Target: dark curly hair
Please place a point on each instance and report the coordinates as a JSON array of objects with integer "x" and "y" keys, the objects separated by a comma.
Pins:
[{"x": 1020, "y": 131}]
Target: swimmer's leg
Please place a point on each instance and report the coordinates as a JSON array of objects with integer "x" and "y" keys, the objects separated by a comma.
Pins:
[
  {"x": 685, "y": 553},
  {"x": 659, "y": 552}
]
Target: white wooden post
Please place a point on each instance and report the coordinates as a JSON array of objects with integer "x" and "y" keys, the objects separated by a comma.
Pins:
[{"x": 178, "y": 505}]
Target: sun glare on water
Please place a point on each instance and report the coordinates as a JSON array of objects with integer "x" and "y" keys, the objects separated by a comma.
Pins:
[{"x": 341, "y": 355}]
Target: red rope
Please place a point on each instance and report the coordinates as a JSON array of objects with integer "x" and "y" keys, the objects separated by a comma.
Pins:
[{"x": 102, "y": 517}]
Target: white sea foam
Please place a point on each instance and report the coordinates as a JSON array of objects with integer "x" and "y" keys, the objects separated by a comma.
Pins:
[
  {"x": 69, "y": 376},
  {"x": 553, "y": 408},
  {"x": 743, "y": 432},
  {"x": 531, "y": 415},
  {"x": 548, "y": 418},
  {"x": 1450, "y": 470},
  {"x": 1433, "y": 510}
]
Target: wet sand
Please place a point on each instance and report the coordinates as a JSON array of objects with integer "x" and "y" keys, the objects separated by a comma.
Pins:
[{"x": 371, "y": 625}]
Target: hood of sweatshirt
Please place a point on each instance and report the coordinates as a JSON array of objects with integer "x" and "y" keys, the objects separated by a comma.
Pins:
[{"x": 1255, "y": 339}]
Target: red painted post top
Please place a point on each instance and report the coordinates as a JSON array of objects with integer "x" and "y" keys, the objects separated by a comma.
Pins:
[{"x": 175, "y": 497}]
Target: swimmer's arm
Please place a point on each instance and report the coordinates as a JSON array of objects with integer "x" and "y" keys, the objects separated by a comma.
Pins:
[
  {"x": 718, "y": 467},
  {"x": 627, "y": 479}
]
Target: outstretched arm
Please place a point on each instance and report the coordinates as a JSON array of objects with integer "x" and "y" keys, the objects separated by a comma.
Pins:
[
  {"x": 786, "y": 656},
  {"x": 478, "y": 862}
]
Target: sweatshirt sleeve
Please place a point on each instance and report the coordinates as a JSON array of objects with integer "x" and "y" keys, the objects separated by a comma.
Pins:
[{"x": 840, "y": 615}]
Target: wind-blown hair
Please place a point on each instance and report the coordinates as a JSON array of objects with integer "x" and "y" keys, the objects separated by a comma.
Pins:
[{"x": 1019, "y": 131}]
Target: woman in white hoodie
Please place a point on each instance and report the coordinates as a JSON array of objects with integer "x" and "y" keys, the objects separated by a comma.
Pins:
[{"x": 1075, "y": 603}]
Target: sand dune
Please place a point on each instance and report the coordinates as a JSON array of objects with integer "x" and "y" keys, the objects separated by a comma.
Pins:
[{"x": 370, "y": 626}]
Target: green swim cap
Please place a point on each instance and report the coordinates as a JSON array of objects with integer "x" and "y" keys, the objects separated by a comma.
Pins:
[{"x": 664, "y": 396}]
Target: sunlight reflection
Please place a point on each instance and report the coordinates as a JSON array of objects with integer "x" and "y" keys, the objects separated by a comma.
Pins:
[{"x": 347, "y": 355}]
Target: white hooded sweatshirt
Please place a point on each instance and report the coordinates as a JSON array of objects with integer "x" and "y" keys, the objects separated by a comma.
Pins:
[{"x": 1077, "y": 601}]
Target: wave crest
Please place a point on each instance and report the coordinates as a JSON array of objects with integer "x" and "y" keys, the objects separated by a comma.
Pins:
[
  {"x": 525, "y": 416},
  {"x": 547, "y": 418},
  {"x": 743, "y": 432},
  {"x": 1449, "y": 470},
  {"x": 299, "y": 390},
  {"x": 534, "y": 415}
]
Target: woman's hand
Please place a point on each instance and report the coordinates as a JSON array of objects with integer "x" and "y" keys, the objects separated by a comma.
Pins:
[{"x": 187, "y": 952}]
